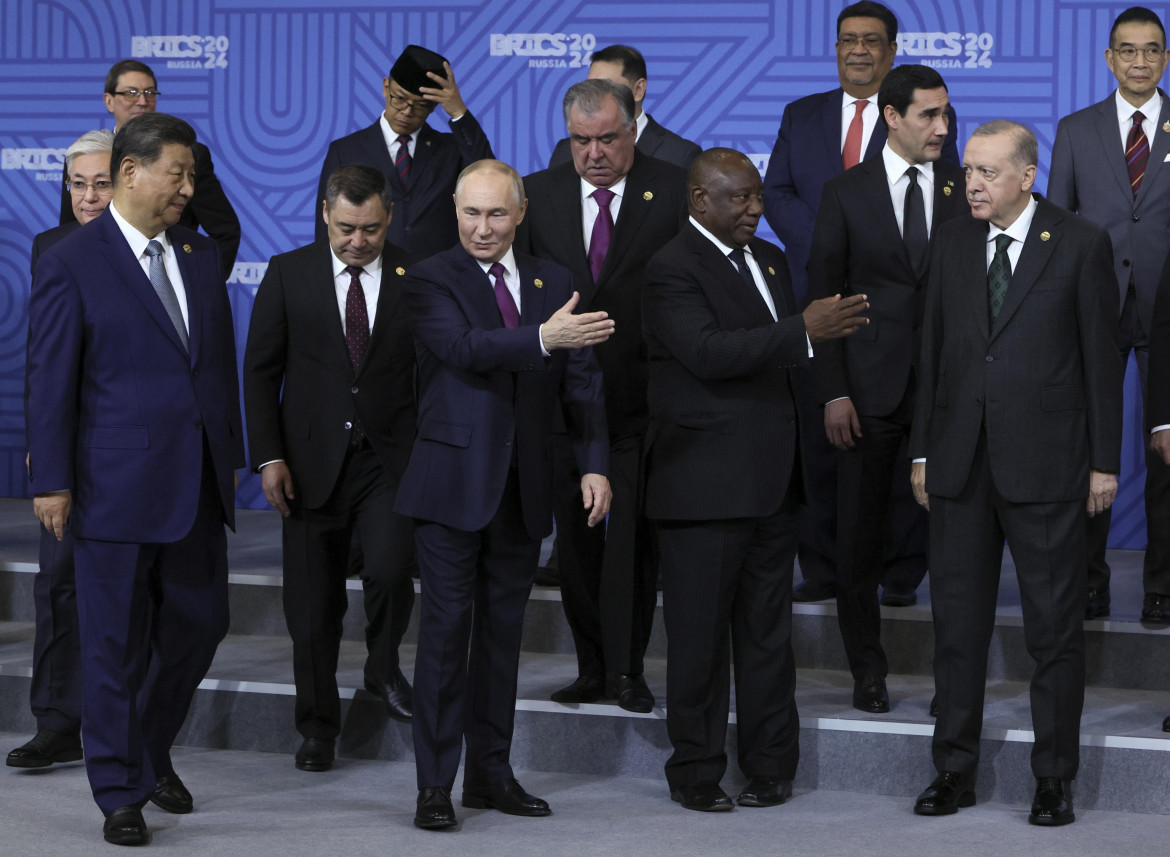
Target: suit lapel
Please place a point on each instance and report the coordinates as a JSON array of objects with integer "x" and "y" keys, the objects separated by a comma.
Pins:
[
  {"x": 190, "y": 270},
  {"x": 532, "y": 292},
  {"x": 1159, "y": 148},
  {"x": 1114, "y": 152},
  {"x": 1033, "y": 258},
  {"x": 389, "y": 297},
  {"x": 377, "y": 155},
  {"x": 721, "y": 270},
  {"x": 651, "y": 138},
  {"x": 322, "y": 297},
  {"x": 424, "y": 148},
  {"x": 782, "y": 297},
  {"x": 636, "y": 204},
  {"x": 973, "y": 249},
  {"x": 831, "y": 114},
  {"x": 881, "y": 203}
]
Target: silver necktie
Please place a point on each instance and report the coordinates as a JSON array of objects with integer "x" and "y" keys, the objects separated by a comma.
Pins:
[{"x": 164, "y": 289}]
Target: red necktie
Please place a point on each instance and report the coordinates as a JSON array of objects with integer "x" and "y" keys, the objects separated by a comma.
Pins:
[
  {"x": 357, "y": 334},
  {"x": 402, "y": 161},
  {"x": 504, "y": 301},
  {"x": 602, "y": 230},
  {"x": 1137, "y": 152},
  {"x": 851, "y": 154}
]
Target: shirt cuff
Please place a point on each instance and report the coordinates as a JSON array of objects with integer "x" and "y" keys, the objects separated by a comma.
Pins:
[
  {"x": 918, "y": 461},
  {"x": 540, "y": 340},
  {"x": 809, "y": 341},
  {"x": 266, "y": 463},
  {"x": 1160, "y": 428},
  {"x": 838, "y": 399}
]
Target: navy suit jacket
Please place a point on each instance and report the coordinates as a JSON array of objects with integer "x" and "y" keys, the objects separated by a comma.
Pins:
[
  {"x": 48, "y": 238},
  {"x": 655, "y": 141},
  {"x": 487, "y": 394},
  {"x": 806, "y": 155},
  {"x": 116, "y": 410},
  {"x": 424, "y": 212}
]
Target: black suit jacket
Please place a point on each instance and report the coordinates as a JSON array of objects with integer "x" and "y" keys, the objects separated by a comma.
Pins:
[
  {"x": 1044, "y": 381},
  {"x": 209, "y": 208},
  {"x": 424, "y": 211},
  {"x": 857, "y": 249},
  {"x": 48, "y": 238},
  {"x": 655, "y": 141},
  {"x": 652, "y": 211},
  {"x": 300, "y": 390},
  {"x": 722, "y": 438},
  {"x": 1158, "y": 382}
]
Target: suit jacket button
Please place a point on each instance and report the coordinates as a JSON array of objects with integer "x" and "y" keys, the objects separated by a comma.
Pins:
[
  {"x": 194, "y": 373},
  {"x": 348, "y": 425},
  {"x": 353, "y": 390},
  {"x": 1125, "y": 263},
  {"x": 989, "y": 359},
  {"x": 507, "y": 443},
  {"x": 198, "y": 424},
  {"x": 1136, "y": 218}
]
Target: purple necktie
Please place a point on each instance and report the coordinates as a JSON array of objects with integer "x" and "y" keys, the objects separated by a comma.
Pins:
[
  {"x": 402, "y": 161},
  {"x": 1137, "y": 152},
  {"x": 357, "y": 333},
  {"x": 602, "y": 230},
  {"x": 504, "y": 297}
]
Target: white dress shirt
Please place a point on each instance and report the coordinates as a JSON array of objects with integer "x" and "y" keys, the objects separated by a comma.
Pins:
[
  {"x": 896, "y": 167},
  {"x": 391, "y": 138},
  {"x": 640, "y": 125},
  {"x": 138, "y": 242},
  {"x": 1152, "y": 109},
  {"x": 590, "y": 208},
  {"x": 1018, "y": 231},
  {"x": 371, "y": 280},
  {"x": 869, "y": 118}
]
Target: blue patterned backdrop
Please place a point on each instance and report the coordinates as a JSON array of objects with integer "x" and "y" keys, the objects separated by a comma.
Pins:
[{"x": 268, "y": 85}]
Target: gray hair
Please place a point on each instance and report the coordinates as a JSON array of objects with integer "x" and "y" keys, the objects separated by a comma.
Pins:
[
  {"x": 1025, "y": 152},
  {"x": 589, "y": 95},
  {"x": 89, "y": 143},
  {"x": 498, "y": 167}
]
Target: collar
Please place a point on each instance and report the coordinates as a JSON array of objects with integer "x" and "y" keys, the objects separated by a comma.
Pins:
[
  {"x": 640, "y": 124},
  {"x": 618, "y": 189},
  {"x": 134, "y": 238},
  {"x": 1152, "y": 109},
  {"x": 896, "y": 166},
  {"x": 374, "y": 269},
  {"x": 725, "y": 249},
  {"x": 847, "y": 100},
  {"x": 391, "y": 136},
  {"x": 1018, "y": 230},
  {"x": 508, "y": 260}
]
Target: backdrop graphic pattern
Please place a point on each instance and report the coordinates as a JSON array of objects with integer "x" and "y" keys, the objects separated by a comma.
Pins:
[{"x": 268, "y": 85}]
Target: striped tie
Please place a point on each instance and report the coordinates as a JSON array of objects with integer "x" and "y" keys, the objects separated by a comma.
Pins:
[
  {"x": 402, "y": 162},
  {"x": 1137, "y": 152}
]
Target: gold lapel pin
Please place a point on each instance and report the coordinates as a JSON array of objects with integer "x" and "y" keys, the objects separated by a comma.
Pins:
[
  {"x": 946, "y": 191},
  {"x": 400, "y": 271},
  {"x": 428, "y": 142},
  {"x": 538, "y": 283},
  {"x": 771, "y": 270},
  {"x": 647, "y": 196},
  {"x": 186, "y": 248},
  {"x": 1166, "y": 127},
  {"x": 1044, "y": 236}
]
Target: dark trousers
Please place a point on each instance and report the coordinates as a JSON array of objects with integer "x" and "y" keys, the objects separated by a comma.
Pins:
[
  {"x": 316, "y": 563},
  {"x": 966, "y": 548},
  {"x": 727, "y": 596},
  {"x": 55, "y": 692},
  {"x": 475, "y": 587},
  {"x": 609, "y": 574},
  {"x": 1156, "y": 566},
  {"x": 151, "y": 617},
  {"x": 866, "y": 475}
]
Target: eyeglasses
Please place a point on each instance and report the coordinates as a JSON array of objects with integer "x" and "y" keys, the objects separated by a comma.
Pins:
[
  {"x": 100, "y": 186},
  {"x": 131, "y": 94},
  {"x": 419, "y": 108},
  {"x": 1128, "y": 53},
  {"x": 870, "y": 43}
]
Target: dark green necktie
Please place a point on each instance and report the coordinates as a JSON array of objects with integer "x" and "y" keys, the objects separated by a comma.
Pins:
[{"x": 999, "y": 275}]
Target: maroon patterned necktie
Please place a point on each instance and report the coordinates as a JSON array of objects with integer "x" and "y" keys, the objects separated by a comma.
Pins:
[
  {"x": 402, "y": 161},
  {"x": 504, "y": 300},
  {"x": 1137, "y": 152},
  {"x": 602, "y": 230},
  {"x": 357, "y": 334}
]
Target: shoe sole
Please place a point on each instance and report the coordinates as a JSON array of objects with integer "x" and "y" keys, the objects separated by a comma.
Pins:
[
  {"x": 69, "y": 756},
  {"x": 745, "y": 801},
  {"x": 1046, "y": 821},
  {"x": 965, "y": 800},
  {"x": 719, "y": 807},
  {"x": 174, "y": 808},
  {"x": 127, "y": 839},
  {"x": 435, "y": 824},
  {"x": 473, "y": 802},
  {"x": 313, "y": 767},
  {"x": 635, "y": 708}
]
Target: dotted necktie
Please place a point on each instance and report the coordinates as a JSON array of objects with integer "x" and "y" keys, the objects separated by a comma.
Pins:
[
  {"x": 357, "y": 334},
  {"x": 602, "y": 230},
  {"x": 164, "y": 289},
  {"x": 851, "y": 153},
  {"x": 402, "y": 161},
  {"x": 914, "y": 223},
  {"x": 504, "y": 300},
  {"x": 999, "y": 275},
  {"x": 1137, "y": 152}
]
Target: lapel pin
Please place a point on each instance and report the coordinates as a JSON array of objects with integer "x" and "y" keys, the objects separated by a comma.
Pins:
[
  {"x": 186, "y": 248},
  {"x": 1044, "y": 236},
  {"x": 538, "y": 283},
  {"x": 771, "y": 270},
  {"x": 946, "y": 190},
  {"x": 400, "y": 271},
  {"x": 428, "y": 142},
  {"x": 647, "y": 196},
  {"x": 1166, "y": 127}
]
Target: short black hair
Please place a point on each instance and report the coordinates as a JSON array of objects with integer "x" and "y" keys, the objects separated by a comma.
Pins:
[
  {"x": 124, "y": 66},
  {"x": 357, "y": 183},
  {"x": 144, "y": 137},
  {"x": 1138, "y": 15},
  {"x": 870, "y": 9},
  {"x": 631, "y": 59},
  {"x": 897, "y": 90}
]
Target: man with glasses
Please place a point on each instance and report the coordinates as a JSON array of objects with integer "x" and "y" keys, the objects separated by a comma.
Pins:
[
  {"x": 55, "y": 693},
  {"x": 1108, "y": 166},
  {"x": 820, "y": 137},
  {"x": 420, "y": 163},
  {"x": 131, "y": 90}
]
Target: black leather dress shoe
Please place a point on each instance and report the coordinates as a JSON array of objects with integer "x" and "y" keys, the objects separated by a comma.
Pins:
[
  {"x": 1051, "y": 807},
  {"x": 396, "y": 694},
  {"x": 869, "y": 694},
  {"x": 170, "y": 794},
  {"x": 631, "y": 693},
  {"x": 934, "y": 706},
  {"x": 945, "y": 795},
  {"x": 899, "y": 595},
  {"x": 1097, "y": 606},
  {"x": 813, "y": 590},
  {"x": 1156, "y": 609},
  {"x": 703, "y": 797},
  {"x": 584, "y": 689},
  {"x": 508, "y": 797},
  {"x": 126, "y": 826},
  {"x": 765, "y": 791},
  {"x": 434, "y": 810},
  {"x": 46, "y": 748},
  {"x": 316, "y": 754}
]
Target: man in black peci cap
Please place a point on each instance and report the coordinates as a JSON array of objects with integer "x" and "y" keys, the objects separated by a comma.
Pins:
[{"x": 420, "y": 163}]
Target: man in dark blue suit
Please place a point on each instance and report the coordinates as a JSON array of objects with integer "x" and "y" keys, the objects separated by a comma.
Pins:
[
  {"x": 491, "y": 370},
  {"x": 419, "y": 163},
  {"x": 134, "y": 432},
  {"x": 820, "y": 137}
]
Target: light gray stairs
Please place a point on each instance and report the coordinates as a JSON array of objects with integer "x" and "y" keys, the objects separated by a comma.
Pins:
[{"x": 246, "y": 702}]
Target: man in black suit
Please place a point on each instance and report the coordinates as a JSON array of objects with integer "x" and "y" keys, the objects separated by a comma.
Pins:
[
  {"x": 723, "y": 481},
  {"x": 1018, "y": 421},
  {"x": 55, "y": 690},
  {"x": 131, "y": 90},
  {"x": 498, "y": 348},
  {"x": 626, "y": 65},
  {"x": 603, "y": 216},
  {"x": 1158, "y": 403},
  {"x": 329, "y": 397},
  {"x": 419, "y": 163},
  {"x": 873, "y": 235}
]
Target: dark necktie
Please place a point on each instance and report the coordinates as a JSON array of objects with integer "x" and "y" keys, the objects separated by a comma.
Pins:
[
  {"x": 164, "y": 289},
  {"x": 739, "y": 259},
  {"x": 999, "y": 275},
  {"x": 914, "y": 223},
  {"x": 1137, "y": 152},
  {"x": 504, "y": 301},
  {"x": 851, "y": 153},
  {"x": 357, "y": 334},
  {"x": 402, "y": 160},
  {"x": 602, "y": 230}
]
